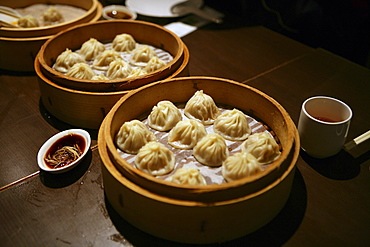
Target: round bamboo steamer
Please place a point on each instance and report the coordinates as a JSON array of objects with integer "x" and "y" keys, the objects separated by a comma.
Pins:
[
  {"x": 23, "y": 50},
  {"x": 91, "y": 7},
  {"x": 192, "y": 221},
  {"x": 82, "y": 108},
  {"x": 223, "y": 91},
  {"x": 105, "y": 31}
]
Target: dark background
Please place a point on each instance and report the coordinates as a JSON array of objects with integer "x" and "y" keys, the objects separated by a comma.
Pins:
[{"x": 339, "y": 26}]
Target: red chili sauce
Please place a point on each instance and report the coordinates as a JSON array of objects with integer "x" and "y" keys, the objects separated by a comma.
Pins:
[{"x": 64, "y": 151}]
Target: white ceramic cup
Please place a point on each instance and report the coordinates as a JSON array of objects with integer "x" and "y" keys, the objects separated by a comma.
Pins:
[{"x": 323, "y": 126}]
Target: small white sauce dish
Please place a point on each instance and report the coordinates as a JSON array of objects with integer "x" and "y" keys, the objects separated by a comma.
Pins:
[
  {"x": 118, "y": 10},
  {"x": 48, "y": 144}
]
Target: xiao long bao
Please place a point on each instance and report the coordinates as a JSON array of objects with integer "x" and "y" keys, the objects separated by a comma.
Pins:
[
  {"x": 90, "y": 49},
  {"x": 133, "y": 135},
  {"x": 186, "y": 134},
  {"x": 154, "y": 158},
  {"x": 164, "y": 116},
  {"x": 197, "y": 143},
  {"x": 189, "y": 176},
  {"x": 120, "y": 59},
  {"x": 66, "y": 60},
  {"x": 201, "y": 107}
]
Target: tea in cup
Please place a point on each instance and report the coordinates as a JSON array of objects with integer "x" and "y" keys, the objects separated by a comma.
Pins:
[{"x": 323, "y": 126}]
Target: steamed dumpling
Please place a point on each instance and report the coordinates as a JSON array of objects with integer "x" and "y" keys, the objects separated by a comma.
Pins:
[
  {"x": 189, "y": 176},
  {"x": 164, "y": 116},
  {"x": 118, "y": 69},
  {"x": 66, "y": 60},
  {"x": 91, "y": 48},
  {"x": 232, "y": 125},
  {"x": 123, "y": 43},
  {"x": 186, "y": 134},
  {"x": 201, "y": 107},
  {"x": 154, "y": 64},
  {"x": 102, "y": 61},
  {"x": 136, "y": 72},
  {"x": 262, "y": 146},
  {"x": 211, "y": 150},
  {"x": 28, "y": 21},
  {"x": 132, "y": 136},
  {"x": 51, "y": 16},
  {"x": 240, "y": 165},
  {"x": 81, "y": 71},
  {"x": 141, "y": 56},
  {"x": 100, "y": 77},
  {"x": 155, "y": 158}
]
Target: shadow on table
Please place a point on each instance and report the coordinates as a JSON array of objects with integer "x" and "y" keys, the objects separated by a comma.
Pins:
[
  {"x": 60, "y": 180},
  {"x": 275, "y": 233},
  {"x": 60, "y": 125},
  {"x": 341, "y": 166}
]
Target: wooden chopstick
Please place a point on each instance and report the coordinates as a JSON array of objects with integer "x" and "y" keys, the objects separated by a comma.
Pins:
[{"x": 358, "y": 146}]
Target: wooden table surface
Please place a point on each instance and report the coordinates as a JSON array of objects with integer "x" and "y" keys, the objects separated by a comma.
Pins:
[{"x": 330, "y": 200}]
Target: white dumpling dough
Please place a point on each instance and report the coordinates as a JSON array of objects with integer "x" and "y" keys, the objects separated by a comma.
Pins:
[
  {"x": 136, "y": 72},
  {"x": 91, "y": 49},
  {"x": 186, "y": 134},
  {"x": 66, "y": 60},
  {"x": 155, "y": 158},
  {"x": 123, "y": 43},
  {"x": 155, "y": 63},
  {"x": 164, "y": 116},
  {"x": 132, "y": 136},
  {"x": 81, "y": 71},
  {"x": 262, "y": 146},
  {"x": 102, "y": 61},
  {"x": 189, "y": 176},
  {"x": 240, "y": 165},
  {"x": 52, "y": 16},
  {"x": 28, "y": 21},
  {"x": 118, "y": 69},
  {"x": 100, "y": 77},
  {"x": 141, "y": 56},
  {"x": 232, "y": 125},
  {"x": 211, "y": 150},
  {"x": 201, "y": 107}
]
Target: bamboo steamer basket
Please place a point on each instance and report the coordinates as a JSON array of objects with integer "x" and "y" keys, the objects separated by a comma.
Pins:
[
  {"x": 105, "y": 31},
  {"x": 223, "y": 91},
  {"x": 83, "y": 108},
  {"x": 91, "y": 7},
  {"x": 194, "y": 220},
  {"x": 23, "y": 44}
]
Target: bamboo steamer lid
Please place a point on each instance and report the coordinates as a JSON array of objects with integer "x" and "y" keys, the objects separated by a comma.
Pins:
[
  {"x": 105, "y": 31},
  {"x": 223, "y": 91}
]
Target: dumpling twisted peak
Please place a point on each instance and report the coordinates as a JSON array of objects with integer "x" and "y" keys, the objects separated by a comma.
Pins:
[
  {"x": 240, "y": 165},
  {"x": 156, "y": 159},
  {"x": 201, "y": 107},
  {"x": 262, "y": 146},
  {"x": 132, "y": 136},
  {"x": 124, "y": 43},
  {"x": 211, "y": 150},
  {"x": 66, "y": 60},
  {"x": 164, "y": 116},
  {"x": 186, "y": 134},
  {"x": 91, "y": 49},
  {"x": 189, "y": 176},
  {"x": 232, "y": 125}
]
